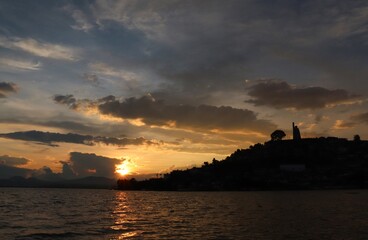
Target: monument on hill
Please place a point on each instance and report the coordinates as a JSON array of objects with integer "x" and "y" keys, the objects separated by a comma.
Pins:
[{"x": 296, "y": 132}]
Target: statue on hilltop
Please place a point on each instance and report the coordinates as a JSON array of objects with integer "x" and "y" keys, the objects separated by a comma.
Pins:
[{"x": 296, "y": 132}]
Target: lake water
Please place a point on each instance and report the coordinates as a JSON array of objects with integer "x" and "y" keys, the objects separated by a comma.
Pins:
[{"x": 109, "y": 214}]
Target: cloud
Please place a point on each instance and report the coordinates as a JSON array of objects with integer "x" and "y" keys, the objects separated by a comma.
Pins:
[
  {"x": 221, "y": 42},
  {"x": 52, "y": 138},
  {"x": 41, "y": 49},
  {"x": 90, "y": 164},
  {"x": 107, "y": 70},
  {"x": 49, "y": 138},
  {"x": 341, "y": 124},
  {"x": 6, "y": 87},
  {"x": 280, "y": 94},
  {"x": 81, "y": 21},
  {"x": 67, "y": 171},
  {"x": 144, "y": 18},
  {"x": 22, "y": 65},
  {"x": 79, "y": 165},
  {"x": 91, "y": 78},
  {"x": 13, "y": 161},
  {"x": 319, "y": 118},
  {"x": 69, "y": 125},
  {"x": 68, "y": 100},
  {"x": 362, "y": 117},
  {"x": 356, "y": 24},
  {"x": 154, "y": 112},
  {"x": 208, "y": 40},
  {"x": 157, "y": 20}
]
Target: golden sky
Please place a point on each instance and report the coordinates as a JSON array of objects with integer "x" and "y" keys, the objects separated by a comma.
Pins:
[{"x": 158, "y": 85}]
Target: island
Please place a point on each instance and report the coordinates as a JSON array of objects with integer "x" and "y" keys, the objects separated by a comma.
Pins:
[{"x": 292, "y": 164}]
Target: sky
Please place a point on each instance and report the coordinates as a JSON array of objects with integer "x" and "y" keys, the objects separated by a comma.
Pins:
[{"x": 94, "y": 88}]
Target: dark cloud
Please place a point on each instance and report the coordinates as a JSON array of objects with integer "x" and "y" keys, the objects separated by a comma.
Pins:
[
  {"x": 68, "y": 100},
  {"x": 13, "y": 161},
  {"x": 79, "y": 165},
  {"x": 280, "y": 94},
  {"x": 184, "y": 116},
  {"x": 6, "y": 88},
  {"x": 219, "y": 43},
  {"x": 202, "y": 117},
  {"x": 362, "y": 117},
  {"x": 51, "y": 138},
  {"x": 109, "y": 98},
  {"x": 67, "y": 171},
  {"x": 72, "y": 102},
  {"x": 90, "y": 164},
  {"x": 74, "y": 126}
]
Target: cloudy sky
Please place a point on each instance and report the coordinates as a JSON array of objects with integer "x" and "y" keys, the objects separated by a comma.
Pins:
[{"x": 157, "y": 85}]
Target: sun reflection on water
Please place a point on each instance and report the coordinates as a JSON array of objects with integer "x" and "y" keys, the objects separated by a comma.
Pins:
[{"x": 124, "y": 219}]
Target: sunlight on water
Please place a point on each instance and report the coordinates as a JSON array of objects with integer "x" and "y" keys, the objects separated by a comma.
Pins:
[
  {"x": 78, "y": 214},
  {"x": 121, "y": 215}
]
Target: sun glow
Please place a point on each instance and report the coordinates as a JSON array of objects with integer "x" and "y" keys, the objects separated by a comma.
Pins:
[{"x": 122, "y": 169}]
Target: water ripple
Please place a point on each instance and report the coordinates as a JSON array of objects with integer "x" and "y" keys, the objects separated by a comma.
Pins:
[{"x": 104, "y": 214}]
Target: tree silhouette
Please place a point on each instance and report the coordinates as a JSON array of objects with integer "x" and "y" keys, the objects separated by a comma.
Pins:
[
  {"x": 277, "y": 135},
  {"x": 356, "y": 138}
]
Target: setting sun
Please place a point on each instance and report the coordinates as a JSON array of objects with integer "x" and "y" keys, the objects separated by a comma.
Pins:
[{"x": 122, "y": 169}]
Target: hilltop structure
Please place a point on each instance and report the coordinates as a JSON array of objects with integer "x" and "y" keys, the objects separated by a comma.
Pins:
[{"x": 296, "y": 132}]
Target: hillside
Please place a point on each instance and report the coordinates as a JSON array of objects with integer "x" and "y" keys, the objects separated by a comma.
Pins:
[{"x": 318, "y": 163}]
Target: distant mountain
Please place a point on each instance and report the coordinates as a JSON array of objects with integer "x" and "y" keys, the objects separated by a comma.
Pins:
[
  {"x": 316, "y": 163},
  {"x": 91, "y": 182},
  {"x": 19, "y": 181},
  {"x": 87, "y": 182},
  {"x": 10, "y": 171}
]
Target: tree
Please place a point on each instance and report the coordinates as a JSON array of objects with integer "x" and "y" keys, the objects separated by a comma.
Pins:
[
  {"x": 356, "y": 138},
  {"x": 277, "y": 135}
]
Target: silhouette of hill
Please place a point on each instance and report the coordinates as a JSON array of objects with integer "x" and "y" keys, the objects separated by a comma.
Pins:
[{"x": 318, "y": 163}]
